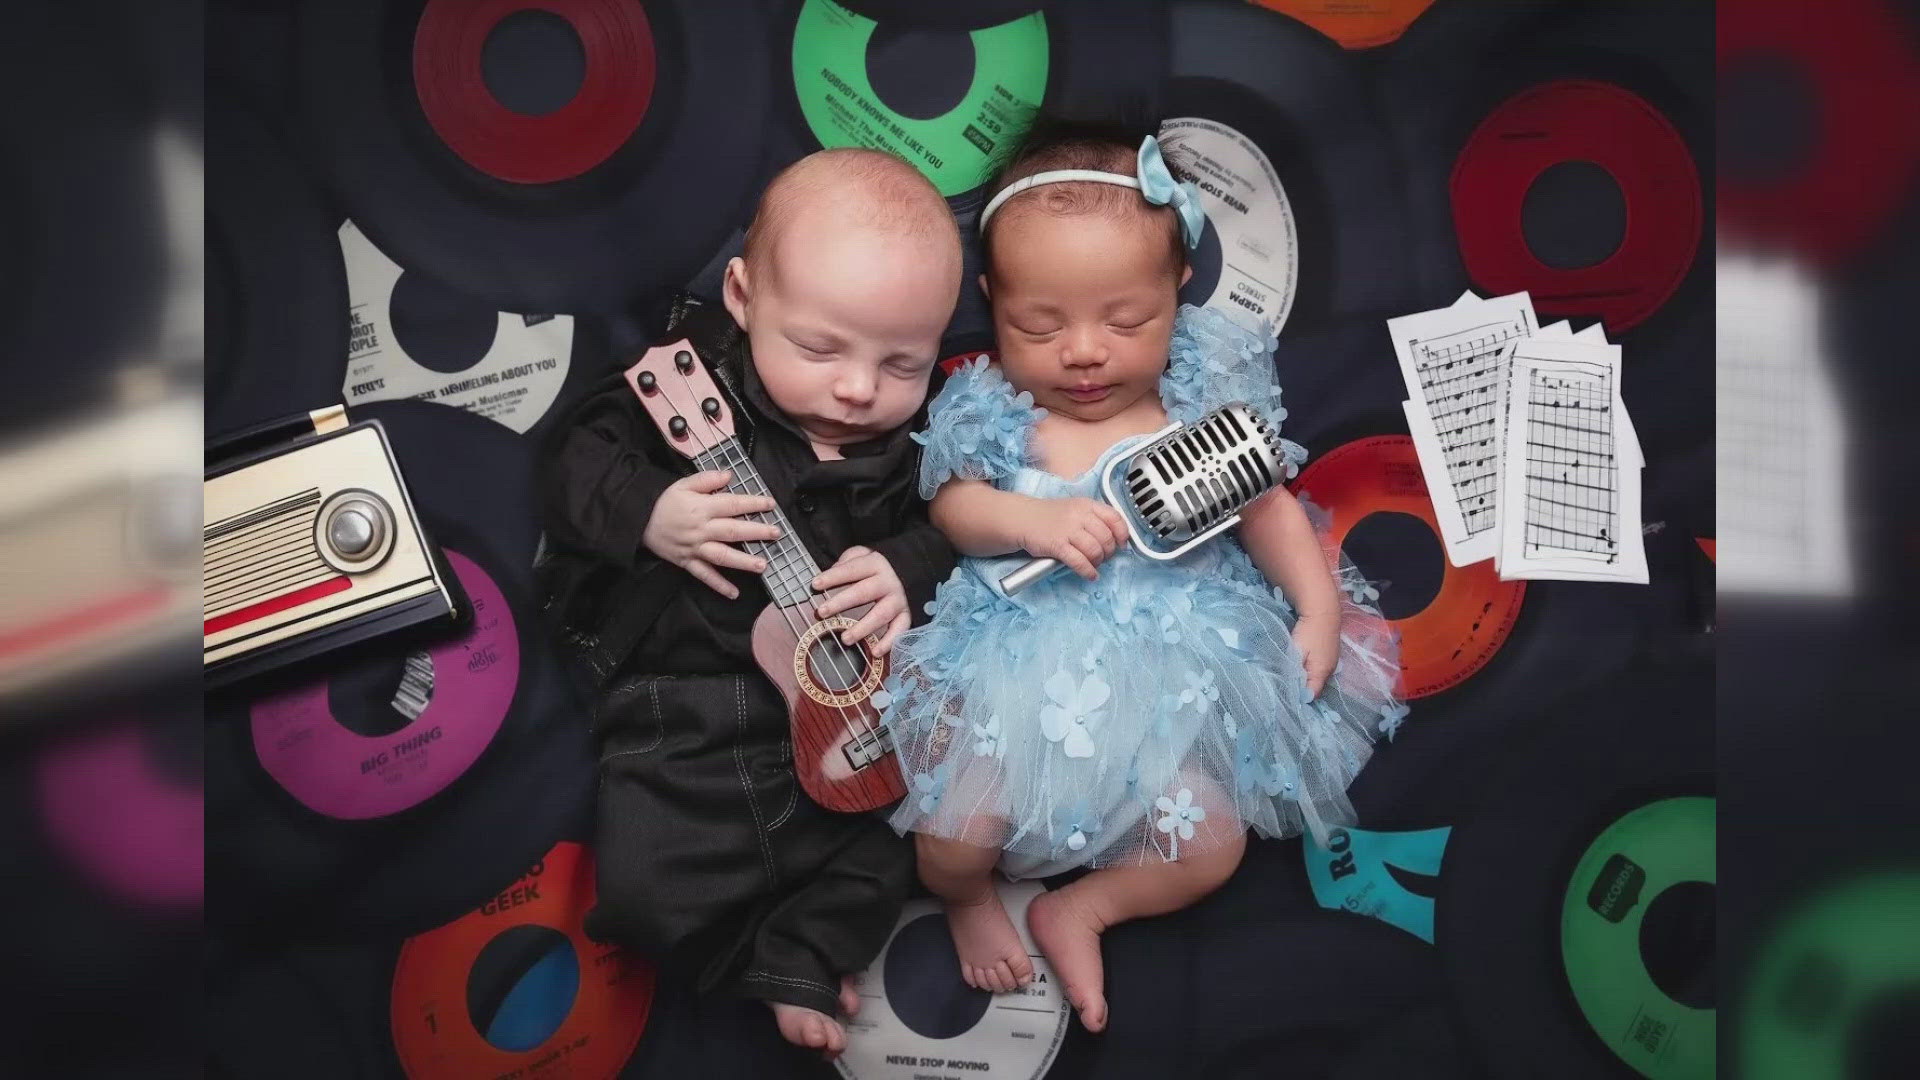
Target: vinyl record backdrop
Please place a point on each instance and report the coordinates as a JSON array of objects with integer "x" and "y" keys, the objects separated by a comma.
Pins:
[{"x": 455, "y": 214}]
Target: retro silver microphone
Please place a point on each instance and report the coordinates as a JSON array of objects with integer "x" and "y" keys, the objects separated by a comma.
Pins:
[{"x": 1185, "y": 485}]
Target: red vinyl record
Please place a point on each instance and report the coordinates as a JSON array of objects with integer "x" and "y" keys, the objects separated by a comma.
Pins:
[
  {"x": 1355, "y": 24},
  {"x": 1471, "y": 615},
  {"x": 1579, "y": 121},
  {"x": 516, "y": 988},
  {"x": 615, "y": 89},
  {"x": 1853, "y": 64}
]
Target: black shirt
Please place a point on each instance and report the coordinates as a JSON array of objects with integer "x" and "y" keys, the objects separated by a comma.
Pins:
[{"x": 607, "y": 463}]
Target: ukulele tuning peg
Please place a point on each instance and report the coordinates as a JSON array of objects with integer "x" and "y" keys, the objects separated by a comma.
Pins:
[
  {"x": 649, "y": 383},
  {"x": 678, "y": 427},
  {"x": 711, "y": 407},
  {"x": 684, "y": 361}
]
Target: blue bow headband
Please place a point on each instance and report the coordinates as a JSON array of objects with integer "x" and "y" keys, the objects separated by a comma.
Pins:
[{"x": 1155, "y": 183}]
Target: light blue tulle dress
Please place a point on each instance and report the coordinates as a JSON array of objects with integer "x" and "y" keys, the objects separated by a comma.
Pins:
[{"x": 1141, "y": 717}]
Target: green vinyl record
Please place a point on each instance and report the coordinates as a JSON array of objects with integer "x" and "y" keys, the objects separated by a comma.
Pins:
[
  {"x": 956, "y": 148},
  {"x": 1640, "y": 985}
]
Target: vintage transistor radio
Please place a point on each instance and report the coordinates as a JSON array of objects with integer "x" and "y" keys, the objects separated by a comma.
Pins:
[
  {"x": 311, "y": 544},
  {"x": 98, "y": 589}
]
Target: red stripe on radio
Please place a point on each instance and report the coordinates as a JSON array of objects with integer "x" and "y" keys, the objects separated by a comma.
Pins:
[
  {"x": 74, "y": 623},
  {"x": 279, "y": 603}
]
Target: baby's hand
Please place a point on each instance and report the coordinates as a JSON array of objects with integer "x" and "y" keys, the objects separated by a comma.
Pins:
[
  {"x": 696, "y": 522},
  {"x": 1082, "y": 533},
  {"x": 869, "y": 579},
  {"x": 1318, "y": 639}
]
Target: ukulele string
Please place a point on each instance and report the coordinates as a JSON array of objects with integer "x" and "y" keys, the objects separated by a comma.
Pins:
[{"x": 836, "y": 652}]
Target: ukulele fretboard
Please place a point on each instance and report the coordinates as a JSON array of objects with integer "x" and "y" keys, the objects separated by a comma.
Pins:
[{"x": 790, "y": 567}]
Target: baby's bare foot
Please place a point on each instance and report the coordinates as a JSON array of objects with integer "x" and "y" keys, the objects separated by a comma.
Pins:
[
  {"x": 802, "y": 1026},
  {"x": 1069, "y": 937},
  {"x": 992, "y": 956}
]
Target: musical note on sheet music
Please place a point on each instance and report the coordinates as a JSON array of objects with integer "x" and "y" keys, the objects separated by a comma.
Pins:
[
  {"x": 1570, "y": 496},
  {"x": 1571, "y": 500},
  {"x": 1452, "y": 361}
]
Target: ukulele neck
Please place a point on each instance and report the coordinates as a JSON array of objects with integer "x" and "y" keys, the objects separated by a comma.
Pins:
[{"x": 790, "y": 567}]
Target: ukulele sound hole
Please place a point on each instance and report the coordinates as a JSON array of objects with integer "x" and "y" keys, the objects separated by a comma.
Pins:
[{"x": 836, "y": 667}]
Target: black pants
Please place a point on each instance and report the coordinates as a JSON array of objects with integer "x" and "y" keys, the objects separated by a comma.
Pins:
[{"x": 707, "y": 843}]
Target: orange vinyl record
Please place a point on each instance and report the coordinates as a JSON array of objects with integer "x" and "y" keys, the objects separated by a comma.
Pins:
[
  {"x": 1355, "y": 24},
  {"x": 1470, "y": 615},
  {"x": 516, "y": 988}
]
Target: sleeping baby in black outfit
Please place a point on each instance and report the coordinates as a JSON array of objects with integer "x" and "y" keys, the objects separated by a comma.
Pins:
[{"x": 827, "y": 349}]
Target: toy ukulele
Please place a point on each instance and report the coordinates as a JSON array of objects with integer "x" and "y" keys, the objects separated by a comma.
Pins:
[{"x": 841, "y": 753}]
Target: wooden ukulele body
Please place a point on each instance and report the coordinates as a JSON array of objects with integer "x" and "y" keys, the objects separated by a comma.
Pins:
[{"x": 841, "y": 754}]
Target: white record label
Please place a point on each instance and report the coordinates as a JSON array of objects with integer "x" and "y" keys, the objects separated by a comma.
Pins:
[
  {"x": 1259, "y": 246},
  {"x": 515, "y": 382},
  {"x": 918, "y": 1021}
]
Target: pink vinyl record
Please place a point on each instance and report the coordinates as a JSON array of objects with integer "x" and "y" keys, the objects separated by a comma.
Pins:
[
  {"x": 122, "y": 821},
  {"x": 461, "y": 689}
]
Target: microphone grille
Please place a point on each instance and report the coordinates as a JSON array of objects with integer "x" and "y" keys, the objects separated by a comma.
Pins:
[{"x": 1187, "y": 481}]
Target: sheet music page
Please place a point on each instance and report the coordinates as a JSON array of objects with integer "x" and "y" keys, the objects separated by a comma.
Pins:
[
  {"x": 1570, "y": 506},
  {"x": 1451, "y": 361},
  {"x": 1629, "y": 438},
  {"x": 1781, "y": 479}
]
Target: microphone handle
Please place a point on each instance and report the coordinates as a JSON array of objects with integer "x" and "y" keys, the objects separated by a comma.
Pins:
[
  {"x": 1040, "y": 568},
  {"x": 1028, "y": 574}
]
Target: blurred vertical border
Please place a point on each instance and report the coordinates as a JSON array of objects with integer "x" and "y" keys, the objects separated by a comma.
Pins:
[
  {"x": 101, "y": 276},
  {"x": 1819, "y": 538}
]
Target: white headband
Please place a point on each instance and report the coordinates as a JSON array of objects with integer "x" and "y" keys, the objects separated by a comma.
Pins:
[
  {"x": 1155, "y": 183},
  {"x": 1057, "y": 176}
]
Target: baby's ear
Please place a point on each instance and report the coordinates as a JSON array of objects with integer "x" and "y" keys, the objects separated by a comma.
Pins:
[
  {"x": 736, "y": 290},
  {"x": 984, "y": 291},
  {"x": 1186, "y": 274}
]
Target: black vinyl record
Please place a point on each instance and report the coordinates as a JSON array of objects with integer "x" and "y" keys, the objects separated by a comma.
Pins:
[
  {"x": 1275, "y": 124},
  {"x": 276, "y": 289},
  {"x": 393, "y": 789},
  {"x": 1421, "y": 1044},
  {"x": 299, "y": 1014},
  {"x": 1515, "y": 887},
  {"x": 1337, "y": 378},
  {"x": 576, "y": 195},
  {"x": 1296, "y": 992}
]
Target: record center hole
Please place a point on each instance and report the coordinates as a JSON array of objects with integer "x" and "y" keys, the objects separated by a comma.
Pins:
[
  {"x": 1883, "y": 1042},
  {"x": 1573, "y": 216},
  {"x": 1400, "y": 555},
  {"x": 1677, "y": 943},
  {"x": 533, "y": 62},
  {"x": 920, "y": 74},
  {"x": 379, "y": 695},
  {"x": 923, "y": 984},
  {"x": 442, "y": 329},
  {"x": 522, "y": 986},
  {"x": 1769, "y": 125}
]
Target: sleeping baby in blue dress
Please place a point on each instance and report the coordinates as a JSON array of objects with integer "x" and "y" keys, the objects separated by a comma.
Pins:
[{"x": 1133, "y": 716}]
